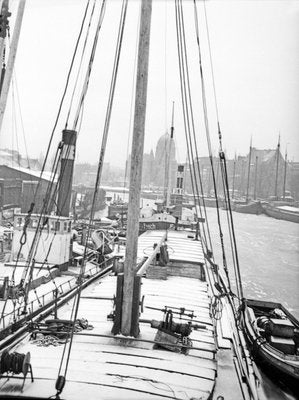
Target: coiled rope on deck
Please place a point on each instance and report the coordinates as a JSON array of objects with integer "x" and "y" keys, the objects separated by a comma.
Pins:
[{"x": 12, "y": 362}]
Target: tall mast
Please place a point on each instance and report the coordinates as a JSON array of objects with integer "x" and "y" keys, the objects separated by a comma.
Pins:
[
  {"x": 217, "y": 177},
  {"x": 136, "y": 166},
  {"x": 4, "y": 14},
  {"x": 240, "y": 175},
  {"x": 255, "y": 177},
  {"x": 285, "y": 173},
  {"x": 11, "y": 59},
  {"x": 248, "y": 170},
  {"x": 234, "y": 177},
  {"x": 169, "y": 162},
  {"x": 277, "y": 164}
]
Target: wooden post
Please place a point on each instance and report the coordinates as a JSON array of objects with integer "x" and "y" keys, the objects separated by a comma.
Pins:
[
  {"x": 11, "y": 59},
  {"x": 136, "y": 166}
]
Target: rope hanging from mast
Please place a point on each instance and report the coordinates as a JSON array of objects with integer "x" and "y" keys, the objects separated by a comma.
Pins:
[
  {"x": 63, "y": 96},
  {"x": 48, "y": 196},
  {"x": 206, "y": 122},
  {"x": 188, "y": 117},
  {"x": 81, "y": 62},
  {"x": 107, "y": 119},
  {"x": 51, "y": 191},
  {"x": 62, "y": 377},
  {"x": 221, "y": 157}
]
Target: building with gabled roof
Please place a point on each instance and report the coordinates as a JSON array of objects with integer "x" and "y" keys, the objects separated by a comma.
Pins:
[{"x": 19, "y": 185}]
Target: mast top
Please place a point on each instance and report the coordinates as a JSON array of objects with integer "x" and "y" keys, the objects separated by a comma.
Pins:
[{"x": 172, "y": 122}]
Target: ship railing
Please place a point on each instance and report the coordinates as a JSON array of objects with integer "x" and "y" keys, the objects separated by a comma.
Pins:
[{"x": 41, "y": 300}]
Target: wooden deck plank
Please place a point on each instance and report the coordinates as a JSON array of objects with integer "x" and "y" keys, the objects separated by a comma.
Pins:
[
  {"x": 110, "y": 352},
  {"x": 156, "y": 370},
  {"x": 76, "y": 389},
  {"x": 132, "y": 369}
]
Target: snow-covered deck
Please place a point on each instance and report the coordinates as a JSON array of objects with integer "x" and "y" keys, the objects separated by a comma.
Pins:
[
  {"x": 115, "y": 367},
  {"x": 108, "y": 367}
]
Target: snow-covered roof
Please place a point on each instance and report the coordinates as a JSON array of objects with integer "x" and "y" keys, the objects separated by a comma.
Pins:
[{"x": 46, "y": 175}]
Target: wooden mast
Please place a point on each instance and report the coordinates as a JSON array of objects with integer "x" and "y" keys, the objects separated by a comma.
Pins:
[
  {"x": 169, "y": 161},
  {"x": 217, "y": 177},
  {"x": 277, "y": 164},
  {"x": 255, "y": 177},
  {"x": 11, "y": 59},
  {"x": 4, "y": 14},
  {"x": 234, "y": 177},
  {"x": 248, "y": 171},
  {"x": 285, "y": 173},
  {"x": 136, "y": 166},
  {"x": 241, "y": 178}
]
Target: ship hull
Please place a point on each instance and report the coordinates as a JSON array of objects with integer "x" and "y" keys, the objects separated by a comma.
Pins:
[
  {"x": 280, "y": 213},
  {"x": 253, "y": 207},
  {"x": 278, "y": 364}
]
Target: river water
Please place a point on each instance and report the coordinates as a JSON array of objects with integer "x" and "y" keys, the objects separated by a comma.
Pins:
[{"x": 268, "y": 251}]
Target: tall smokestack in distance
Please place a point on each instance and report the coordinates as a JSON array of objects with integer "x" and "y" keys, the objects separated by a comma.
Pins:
[
  {"x": 69, "y": 138},
  {"x": 180, "y": 179},
  {"x": 176, "y": 199}
]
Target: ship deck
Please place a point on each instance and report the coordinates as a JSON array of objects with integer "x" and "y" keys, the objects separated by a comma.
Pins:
[{"x": 105, "y": 366}]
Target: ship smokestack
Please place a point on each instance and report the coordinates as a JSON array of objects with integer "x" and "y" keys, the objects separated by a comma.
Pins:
[
  {"x": 177, "y": 194},
  {"x": 180, "y": 179},
  {"x": 69, "y": 138}
]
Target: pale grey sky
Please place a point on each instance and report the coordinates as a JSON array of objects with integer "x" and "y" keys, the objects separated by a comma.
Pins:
[{"x": 255, "y": 48}]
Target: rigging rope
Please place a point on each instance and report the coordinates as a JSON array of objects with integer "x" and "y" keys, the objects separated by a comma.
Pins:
[
  {"x": 45, "y": 207},
  {"x": 61, "y": 378},
  {"x": 80, "y": 65},
  {"x": 63, "y": 97},
  {"x": 21, "y": 120},
  {"x": 50, "y": 194},
  {"x": 107, "y": 120},
  {"x": 205, "y": 112},
  {"x": 90, "y": 65},
  {"x": 194, "y": 139},
  {"x": 188, "y": 113},
  {"x": 222, "y": 159},
  {"x": 234, "y": 243},
  {"x": 15, "y": 90},
  {"x": 229, "y": 226}
]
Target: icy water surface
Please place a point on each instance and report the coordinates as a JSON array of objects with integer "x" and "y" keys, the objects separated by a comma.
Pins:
[{"x": 268, "y": 252}]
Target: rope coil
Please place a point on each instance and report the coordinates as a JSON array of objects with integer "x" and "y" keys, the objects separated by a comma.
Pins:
[{"x": 15, "y": 363}]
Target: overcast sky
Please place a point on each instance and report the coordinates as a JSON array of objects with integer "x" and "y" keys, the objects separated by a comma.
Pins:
[{"x": 255, "y": 49}]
